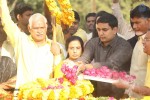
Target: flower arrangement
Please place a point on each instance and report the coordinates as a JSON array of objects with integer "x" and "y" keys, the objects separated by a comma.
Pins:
[
  {"x": 70, "y": 73},
  {"x": 63, "y": 88},
  {"x": 67, "y": 13},
  {"x": 66, "y": 16},
  {"x": 105, "y": 72},
  {"x": 55, "y": 89}
]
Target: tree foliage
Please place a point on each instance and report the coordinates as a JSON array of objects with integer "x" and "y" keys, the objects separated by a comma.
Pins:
[{"x": 85, "y": 6}]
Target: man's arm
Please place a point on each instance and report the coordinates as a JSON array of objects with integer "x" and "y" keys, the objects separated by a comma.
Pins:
[
  {"x": 9, "y": 26},
  {"x": 143, "y": 90},
  {"x": 118, "y": 58},
  {"x": 88, "y": 53},
  {"x": 84, "y": 61},
  {"x": 125, "y": 29}
]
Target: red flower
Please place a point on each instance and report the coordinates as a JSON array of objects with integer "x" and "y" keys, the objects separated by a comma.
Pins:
[{"x": 61, "y": 80}]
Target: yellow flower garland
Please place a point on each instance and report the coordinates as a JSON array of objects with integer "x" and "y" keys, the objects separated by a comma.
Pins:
[
  {"x": 66, "y": 16},
  {"x": 55, "y": 11},
  {"x": 34, "y": 90},
  {"x": 67, "y": 13}
]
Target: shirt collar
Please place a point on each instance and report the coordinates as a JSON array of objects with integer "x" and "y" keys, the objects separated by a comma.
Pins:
[
  {"x": 112, "y": 43},
  {"x": 141, "y": 37},
  {"x": 48, "y": 41}
]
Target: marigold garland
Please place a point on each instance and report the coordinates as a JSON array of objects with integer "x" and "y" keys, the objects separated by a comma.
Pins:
[
  {"x": 66, "y": 15},
  {"x": 40, "y": 90},
  {"x": 54, "y": 9}
]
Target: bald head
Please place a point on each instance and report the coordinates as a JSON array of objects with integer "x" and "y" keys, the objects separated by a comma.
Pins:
[{"x": 36, "y": 17}]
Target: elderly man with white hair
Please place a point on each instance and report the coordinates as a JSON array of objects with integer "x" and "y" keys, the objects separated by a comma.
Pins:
[{"x": 35, "y": 54}]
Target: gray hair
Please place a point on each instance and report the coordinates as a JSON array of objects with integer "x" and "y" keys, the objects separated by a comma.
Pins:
[{"x": 36, "y": 15}]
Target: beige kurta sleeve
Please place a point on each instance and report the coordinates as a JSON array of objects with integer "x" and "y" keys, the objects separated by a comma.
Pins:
[
  {"x": 125, "y": 28},
  {"x": 9, "y": 26}
]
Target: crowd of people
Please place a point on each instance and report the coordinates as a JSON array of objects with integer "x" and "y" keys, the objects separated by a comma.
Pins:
[{"x": 28, "y": 51}]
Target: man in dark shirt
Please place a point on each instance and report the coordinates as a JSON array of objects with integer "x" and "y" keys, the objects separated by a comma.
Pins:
[{"x": 107, "y": 50}]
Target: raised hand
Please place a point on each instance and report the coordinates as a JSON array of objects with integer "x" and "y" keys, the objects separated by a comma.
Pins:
[
  {"x": 55, "y": 49},
  {"x": 115, "y": 1}
]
